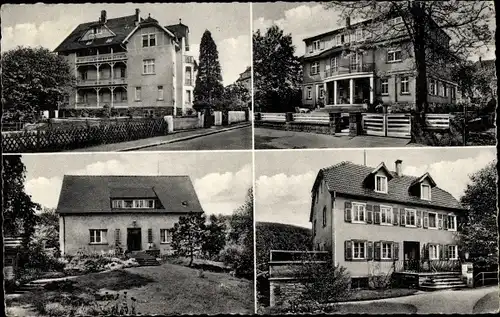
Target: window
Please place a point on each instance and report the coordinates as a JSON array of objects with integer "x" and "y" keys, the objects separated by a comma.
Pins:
[
  {"x": 425, "y": 192},
  {"x": 386, "y": 250},
  {"x": 359, "y": 250},
  {"x": 452, "y": 223},
  {"x": 334, "y": 63},
  {"x": 441, "y": 89},
  {"x": 314, "y": 68},
  {"x": 148, "y": 40},
  {"x": 316, "y": 45},
  {"x": 452, "y": 252},
  {"x": 380, "y": 184},
  {"x": 453, "y": 92},
  {"x": 309, "y": 92},
  {"x": 359, "y": 35},
  {"x": 160, "y": 92},
  {"x": 188, "y": 96},
  {"x": 98, "y": 236},
  {"x": 324, "y": 217},
  {"x": 396, "y": 21},
  {"x": 405, "y": 86},
  {"x": 358, "y": 212},
  {"x": 342, "y": 39},
  {"x": 133, "y": 203},
  {"x": 386, "y": 215},
  {"x": 137, "y": 93},
  {"x": 410, "y": 217},
  {"x": 338, "y": 40},
  {"x": 384, "y": 86},
  {"x": 165, "y": 236},
  {"x": 433, "y": 252},
  {"x": 433, "y": 220},
  {"x": 97, "y": 30},
  {"x": 148, "y": 66},
  {"x": 321, "y": 93},
  {"x": 432, "y": 87},
  {"x": 394, "y": 55},
  {"x": 355, "y": 60},
  {"x": 445, "y": 90}
]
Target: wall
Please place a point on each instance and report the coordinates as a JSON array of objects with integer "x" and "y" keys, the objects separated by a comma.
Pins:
[
  {"x": 74, "y": 230},
  {"x": 183, "y": 123},
  {"x": 164, "y": 72},
  {"x": 283, "y": 292},
  {"x": 236, "y": 116},
  {"x": 323, "y": 240},
  {"x": 374, "y": 232}
]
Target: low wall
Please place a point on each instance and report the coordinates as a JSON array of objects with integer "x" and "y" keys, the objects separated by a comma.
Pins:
[
  {"x": 186, "y": 123},
  {"x": 315, "y": 123},
  {"x": 236, "y": 116},
  {"x": 282, "y": 292}
]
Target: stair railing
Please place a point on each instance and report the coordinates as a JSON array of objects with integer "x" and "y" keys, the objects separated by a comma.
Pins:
[{"x": 482, "y": 279}]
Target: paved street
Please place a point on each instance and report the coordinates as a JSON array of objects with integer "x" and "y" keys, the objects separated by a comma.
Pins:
[
  {"x": 449, "y": 301},
  {"x": 237, "y": 139},
  {"x": 278, "y": 139}
]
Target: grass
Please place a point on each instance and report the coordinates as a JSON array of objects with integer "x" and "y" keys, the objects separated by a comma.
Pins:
[
  {"x": 487, "y": 304},
  {"x": 368, "y": 294},
  {"x": 371, "y": 308},
  {"x": 165, "y": 289}
]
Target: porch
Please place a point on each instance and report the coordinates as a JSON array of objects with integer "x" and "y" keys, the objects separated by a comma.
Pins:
[
  {"x": 355, "y": 90},
  {"x": 96, "y": 97}
]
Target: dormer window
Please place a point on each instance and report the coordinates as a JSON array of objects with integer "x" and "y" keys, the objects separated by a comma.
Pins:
[
  {"x": 425, "y": 192},
  {"x": 316, "y": 45},
  {"x": 97, "y": 30},
  {"x": 381, "y": 184},
  {"x": 133, "y": 203}
]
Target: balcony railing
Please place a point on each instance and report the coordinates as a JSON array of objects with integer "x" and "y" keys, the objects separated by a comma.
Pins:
[
  {"x": 351, "y": 69},
  {"x": 189, "y": 82},
  {"x": 93, "y": 104},
  {"x": 427, "y": 266},
  {"x": 101, "y": 58},
  {"x": 188, "y": 59},
  {"x": 101, "y": 82}
]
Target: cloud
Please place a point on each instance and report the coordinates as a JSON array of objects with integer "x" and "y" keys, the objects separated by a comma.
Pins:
[
  {"x": 44, "y": 191},
  {"x": 235, "y": 56}
]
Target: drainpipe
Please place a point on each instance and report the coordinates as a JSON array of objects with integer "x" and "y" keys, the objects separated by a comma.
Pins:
[{"x": 334, "y": 241}]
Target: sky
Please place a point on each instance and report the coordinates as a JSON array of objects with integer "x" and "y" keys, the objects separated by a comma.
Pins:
[
  {"x": 304, "y": 19},
  {"x": 221, "y": 180},
  {"x": 49, "y": 24},
  {"x": 284, "y": 179}
]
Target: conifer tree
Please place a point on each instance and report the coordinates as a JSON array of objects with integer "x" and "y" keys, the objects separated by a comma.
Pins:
[{"x": 209, "y": 86}]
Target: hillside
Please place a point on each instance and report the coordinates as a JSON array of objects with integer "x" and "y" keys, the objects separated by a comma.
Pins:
[{"x": 278, "y": 236}]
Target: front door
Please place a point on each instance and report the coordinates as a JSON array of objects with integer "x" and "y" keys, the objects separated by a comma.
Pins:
[
  {"x": 134, "y": 239},
  {"x": 411, "y": 253}
]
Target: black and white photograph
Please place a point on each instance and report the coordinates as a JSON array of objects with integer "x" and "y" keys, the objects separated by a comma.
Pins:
[
  {"x": 377, "y": 231},
  {"x": 128, "y": 234},
  {"x": 355, "y": 74},
  {"x": 123, "y": 77}
]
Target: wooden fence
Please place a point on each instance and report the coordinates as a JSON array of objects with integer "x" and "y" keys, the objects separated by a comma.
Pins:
[
  {"x": 58, "y": 139},
  {"x": 311, "y": 118},
  {"x": 436, "y": 121},
  {"x": 273, "y": 117},
  {"x": 391, "y": 125},
  {"x": 373, "y": 124}
]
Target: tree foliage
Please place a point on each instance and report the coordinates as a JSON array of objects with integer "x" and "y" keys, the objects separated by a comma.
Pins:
[
  {"x": 19, "y": 211},
  {"x": 209, "y": 78},
  {"x": 479, "y": 231},
  {"x": 215, "y": 238},
  {"x": 277, "y": 71},
  {"x": 188, "y": 235},
  {"x": 475, "y": 81},
  {"x": 421, "y": 32},
  {"x": 235, "y": 97},
  {"x": 33, "y": 79}
]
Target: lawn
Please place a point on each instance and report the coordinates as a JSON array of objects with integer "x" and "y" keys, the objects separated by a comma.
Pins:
[
  {"x": 490, "y": 303},
  {"x": 369, "y": 308},
  {"x": 166, "y": 289},
  {"x": 367, "y": 294}
]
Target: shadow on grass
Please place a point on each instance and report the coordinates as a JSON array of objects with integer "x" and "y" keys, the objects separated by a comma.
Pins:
[
  {"x": 114, "y": 280},
  {"x": 377, "y": 308},
  {"x": 490, "y": 303}
]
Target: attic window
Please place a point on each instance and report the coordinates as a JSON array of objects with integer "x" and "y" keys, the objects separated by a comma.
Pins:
[
  {"x": 97, "y": 30},
  {"x": 425, "y": 192},
  {"x": 381, "y": 184}
]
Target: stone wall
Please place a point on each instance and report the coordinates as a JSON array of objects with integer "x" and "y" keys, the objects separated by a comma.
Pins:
[
  {"x": 283, "y": 292},
  {"x": 297, "y": 126},
  {"x": 186, "y": 123}
]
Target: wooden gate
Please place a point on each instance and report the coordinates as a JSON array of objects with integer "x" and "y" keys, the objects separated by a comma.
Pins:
[{"x": 390, "y": 125}]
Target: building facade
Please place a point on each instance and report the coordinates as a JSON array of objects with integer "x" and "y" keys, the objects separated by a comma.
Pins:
[
  {"x": 131, "y": 63},
  {"x": 122, "y": 213},
  {"x": 373, "y": 219},
  {"x": 353, "y": 65},
  {"x": 245, "y": 79}
]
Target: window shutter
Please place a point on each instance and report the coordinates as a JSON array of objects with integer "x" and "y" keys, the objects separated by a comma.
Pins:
[
  {"x": 426, "y": 219},
  {"x": 440, "y": 221},
  {"x": 369, "y": 216},
  {"x": 402, "y": 217},
  {"x": 347, "y": 211},
  {"x": 419, "y": 218},
  {"x": 150, "y": 235},
  {"x": 395, "y": 216},
  {"x": 445, "y": 222},
  {"x": 370, "y": 250},
  {"x": 426, "y": 251},
  {"x": 377, "y": 250},
  {"x": 395, "y": 246},
  {"x": 117, "y": 236},
  {"x": 376, "y": 212},
  {"x": 442, "y": 254},
  {"x": 348, "y": 250}
]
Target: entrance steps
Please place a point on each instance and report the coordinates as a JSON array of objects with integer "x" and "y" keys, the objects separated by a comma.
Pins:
[
  {"x": 144, "y": 259},
  {"x": 443, "y": 281}
]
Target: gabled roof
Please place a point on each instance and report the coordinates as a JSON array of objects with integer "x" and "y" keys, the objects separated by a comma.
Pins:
[
  {"x": 121, "y": 27},
  {"x": 179, "y": 30},
  {"x": 348, "y": 179},
  {"x": 92, "y": 194},
  {"x": 422, "y": 178},
  {"x": 382, "y": 166}
]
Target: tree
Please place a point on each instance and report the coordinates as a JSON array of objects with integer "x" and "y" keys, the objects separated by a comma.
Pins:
[
  {"x": 240, "y": 239},
  {"x": 236, "y": 96},
  {"x": 423, "y": 33},
  {"x": 475, "y": 81},
  {"x": 33, "y": 79},
  {"x": 277, "y": 71},
  {"x": 215, "y": 238},
  {"x": 209, "y": 78},
  {"x": 188, "y": 235},
  {"x": 479, "y": 231},
  {"x": 19, "y": 211},
  {"x": 47, "y": 229}
]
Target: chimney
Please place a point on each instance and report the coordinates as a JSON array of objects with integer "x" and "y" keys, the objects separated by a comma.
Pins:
[
  {"x": 103, "y": 16},
  {"x": 347, "y": 22},
  {"x": 180, "y": 21},
  {"x": 399, "y": 171},
  {"x": 137, "y": 16}
]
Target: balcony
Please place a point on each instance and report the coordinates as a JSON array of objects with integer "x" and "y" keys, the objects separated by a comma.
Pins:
[
  {"x": 351, "y": 69},
  {"x": 188, "y": 82},
  {"x": 94, "y": 105},
  {"x": 102, "y": 58},
  {"x": 188, "y": 59},
  {"x": 101, "y": 82}
]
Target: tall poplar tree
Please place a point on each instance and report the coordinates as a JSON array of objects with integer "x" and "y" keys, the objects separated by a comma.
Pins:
[{"x": 209, "y": 87}]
